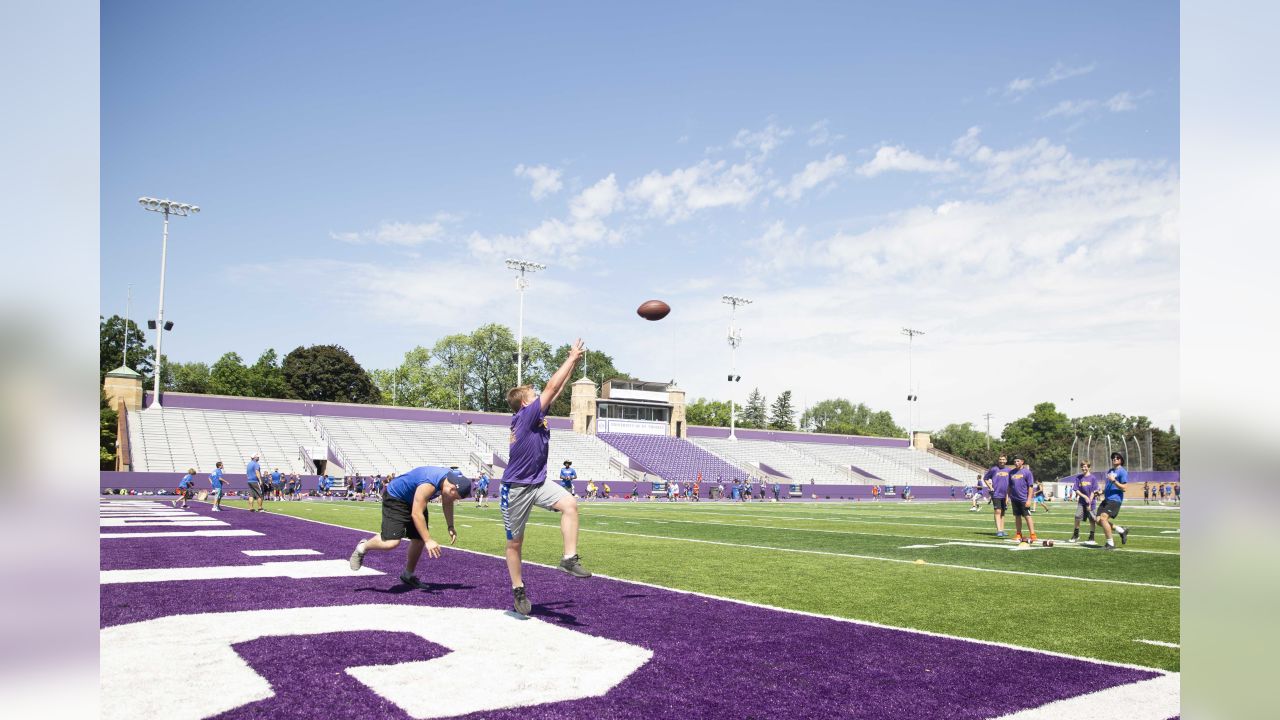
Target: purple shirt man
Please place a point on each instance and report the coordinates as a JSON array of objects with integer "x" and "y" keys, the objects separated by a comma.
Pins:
[
  {"x": 1020, "y": 482},
  {"x": 998, "y": 476},
  {"x": 1086, "y": 485},
  {"x": 530, "y": 443}
]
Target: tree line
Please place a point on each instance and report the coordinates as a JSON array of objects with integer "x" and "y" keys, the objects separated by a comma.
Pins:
[{"x": 473, "y": 371}]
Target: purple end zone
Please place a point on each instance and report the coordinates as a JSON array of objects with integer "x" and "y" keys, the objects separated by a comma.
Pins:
[{"x": 711, "y": 658}]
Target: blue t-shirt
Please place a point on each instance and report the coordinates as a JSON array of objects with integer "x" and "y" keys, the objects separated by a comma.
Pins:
[
  {"x": 1113, "y": 491},
  {"x": 186, "y": 481},
  {"x": 215, "y": 477},
  {"x": 405, "y": 486},
  {"x": 483, "y": 484},
  {"x": 568, "y": 475},
  {"x": 275, "y": 477},
  {"x": 530, "y": 444},
  {"x": 251, "y": 471},
  {"x": 999, "y": 477}
]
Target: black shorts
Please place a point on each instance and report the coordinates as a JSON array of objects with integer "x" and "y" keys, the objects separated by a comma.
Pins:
[
  {"x": 998, "y": 502},
  {"x": 185, "y": 493},
  {"x": 1020, "y": 507},
  {"x": 1110, "y": 507},
  {"x": 255, "y": 490},
  {"x": 397, "y": 520}
]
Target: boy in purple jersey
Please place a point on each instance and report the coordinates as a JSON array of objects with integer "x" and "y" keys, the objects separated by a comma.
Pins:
[
  {"x": 524, "y": 482},
  {"x": 1086, "y": 491},
  {"x": 1020, "y": 483},
  {"x": 997, "y": 481}
]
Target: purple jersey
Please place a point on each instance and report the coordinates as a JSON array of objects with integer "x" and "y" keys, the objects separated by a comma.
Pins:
[
  {"x": 1020, "y": 482},
  {"x": 530, "y": 443},
  {"x": 1086, "y": 484},
  {"x": 999, "y": 477}
]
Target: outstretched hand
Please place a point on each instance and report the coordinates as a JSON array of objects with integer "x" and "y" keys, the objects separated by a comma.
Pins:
[{"x": 577, "y": 350}]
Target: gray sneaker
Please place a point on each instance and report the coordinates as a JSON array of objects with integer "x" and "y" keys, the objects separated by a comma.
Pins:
[
  {"x": 412, "y": 581},
  {"x": 523, "y": 606},
  {"x": 573, "y": 566},
  {"x": 357, "y": 557}
]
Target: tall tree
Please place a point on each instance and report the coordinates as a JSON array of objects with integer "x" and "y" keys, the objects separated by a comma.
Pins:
[
  {"x": 188, "y": 378},
  {"x": 1043, "y": 439},
  {"x": 755, "y": 414},
  {"x": 842, "y": 417},
  {"x": 493, "y": 366},
  {"x": 328, "y": 373},
  {"x": 711, "y": 413},
  {"x": 597, "y": 366},
  {"x": 111, "y": 342},
  {"x": 966, "y": 441},
  {"x": 266, "y": 377},
  {"x": 107, "y": 420},
  {"x": 782, "y": 414},
  {"x": 229, "y": 376},
  {"x": 1166, "y": 449},
  {"x": 416, "y": 382}
]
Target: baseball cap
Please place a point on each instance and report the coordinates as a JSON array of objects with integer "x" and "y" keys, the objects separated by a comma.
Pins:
[{"x": 462, "y": 481}]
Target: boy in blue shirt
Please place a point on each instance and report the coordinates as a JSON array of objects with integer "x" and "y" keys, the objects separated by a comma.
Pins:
[
  {"x": 215, "y": 479},
  {"x": 404, "y": 514},
  {"x": 1112, "y": 497},
  {"x": 184, "y": 487},
  {"x": 567, "y": 476},
  {"x": 482, "y": 490},
  {"x": 253, "y": 471}
]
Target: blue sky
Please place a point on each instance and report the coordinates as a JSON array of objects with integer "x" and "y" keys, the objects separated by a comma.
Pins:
[{"x": 1003, "y": 176}]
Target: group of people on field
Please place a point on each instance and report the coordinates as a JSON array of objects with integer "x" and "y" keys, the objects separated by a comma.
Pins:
[{"x": 1015, "y": 489}]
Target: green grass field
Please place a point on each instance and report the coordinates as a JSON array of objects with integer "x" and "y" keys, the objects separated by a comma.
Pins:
[{"x": 851, "y": 560}]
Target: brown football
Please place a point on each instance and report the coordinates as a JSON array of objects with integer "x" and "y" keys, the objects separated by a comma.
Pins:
[{"x": 653, "y": 310}]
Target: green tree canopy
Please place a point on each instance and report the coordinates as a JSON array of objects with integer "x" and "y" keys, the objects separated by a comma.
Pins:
[
  {"x": 327, "y": 373},
  {"x": 781, "y": 414},
  {"x": 755, "y": 414},
  {"x": 229, "y": 376},
  {"x": 963, "y": 440},
  {"x": 266, "y": 377},
  {"x": 189, "y": 378},
  {"x": 842, "y": 417},
  {"x": 1166, "y": 449},
  {"x": 1043, "y": 439},
  {"x": 111, "y": 342},
  {"x": 712, "y": 413}
]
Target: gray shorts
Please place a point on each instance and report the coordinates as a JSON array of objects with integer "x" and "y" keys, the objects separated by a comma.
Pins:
[
  {"x": 518, "y": 500},
  {"x": 1082, "y": 511}
]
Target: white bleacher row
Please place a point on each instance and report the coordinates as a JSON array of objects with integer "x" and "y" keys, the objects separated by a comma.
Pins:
[
  {"x": 175, "y": 439},
  {"x": 888, "y": 464},
  {"x": 925, "y": 460},
  {"x": 589, "y": 454},
  {"x": 781, "y": 457},
  {"x": 379, "y": 447}
]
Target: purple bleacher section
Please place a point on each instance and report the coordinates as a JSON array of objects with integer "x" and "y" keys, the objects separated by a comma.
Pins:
[
  {"x": 784, "y": 436},
  {"x": 864, "y": 473},
  {"x": 671, "y": 458},
  {"x": 375, "y": 412},
  {"x": 943, "y": 475}
]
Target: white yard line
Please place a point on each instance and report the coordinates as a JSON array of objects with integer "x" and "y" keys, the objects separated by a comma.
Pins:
[
  {"x": 1155, "y": 699},
  {"x": 1161, "y": 643}
]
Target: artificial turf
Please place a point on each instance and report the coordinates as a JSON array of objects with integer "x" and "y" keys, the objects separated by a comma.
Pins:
[{"x": 854, "y": 564}]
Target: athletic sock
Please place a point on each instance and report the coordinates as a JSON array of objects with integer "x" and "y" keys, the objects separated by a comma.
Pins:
[{"x": 1111, "y": 543}]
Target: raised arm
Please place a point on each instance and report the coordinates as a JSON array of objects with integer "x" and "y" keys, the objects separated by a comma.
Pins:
[{"x": 561, "y": 375}]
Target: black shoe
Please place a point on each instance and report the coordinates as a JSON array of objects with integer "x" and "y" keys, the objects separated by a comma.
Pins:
[
  {"x": 1108, "y": 547},
  {"x": 1124, "y": 537},
  {"x": 573, "y": 566},
  {"x": 412, "y": 581},
  {"x": 523, "y": 606}
]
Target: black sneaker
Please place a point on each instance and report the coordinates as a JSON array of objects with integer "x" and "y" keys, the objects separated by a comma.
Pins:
[
  {"x": 1108, "y": 547},
  {"x": 1124, "y": 536},
  {"x": 523, "y": 606},
  {"x": 412, "y": 581},
  {"x": 573, "y": 566}
]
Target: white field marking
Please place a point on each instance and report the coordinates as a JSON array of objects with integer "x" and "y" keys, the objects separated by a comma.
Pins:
[
  {"x": 1156, "y": 699},
  {"x": 874, "y": 557},
  {"x": 1161, "y": 643},
  {"x": 755, "y": 526},
  {"x": 836, "y": 515},
  {"x": 295, "y": 569},
  {"x": 861, "y": 521},
  {"x": 1171, "y": 532},
  {"x": 806, "y": 613},
  {"x": 464, "y": 525},
  {"x": 202, "y": 644},
  {"x": 239, "y": 532},
  {"x": 120, "y": 522},
  {"x": 275, "y": 553},
  {"x": 967, "y": 544}
]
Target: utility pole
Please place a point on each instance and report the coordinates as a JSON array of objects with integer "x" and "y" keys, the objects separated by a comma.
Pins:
[
  {"x": 988, "y": 419},
  {"x": 912, "y": 398},
  {"x": 735, "y": 339},
  {"x": 128, "y": 311}
]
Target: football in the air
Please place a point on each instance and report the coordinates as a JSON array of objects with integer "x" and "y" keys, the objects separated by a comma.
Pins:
[{"x": 653, "y": 310}]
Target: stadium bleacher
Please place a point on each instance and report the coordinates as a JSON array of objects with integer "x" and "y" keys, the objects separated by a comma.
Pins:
[
  {"x": 179, "y": 438},
  {"x": 590, "y": 455},
  {"x": 674, "y": 459},
  {"x": 375, "y": 446}
]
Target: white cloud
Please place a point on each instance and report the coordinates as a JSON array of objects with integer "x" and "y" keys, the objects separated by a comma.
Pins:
[
  {"x": 760, "y": 143},
  {"x": 820, "y": 134},
  {"x": 680, "y": 193},
  {"x": 546, "y": 180},
  {"x": 894, "y": 157},
  {"x": 813, "y": 175},
  {"x": 1070, "y": 108},
  {"x": 562, "y": 239},
  {"x": 396, "y": 233},
  {"x": 1121, "y": 102},
  {"x": 1059, "y": 72},
  {"x": 779, "y": 248}
]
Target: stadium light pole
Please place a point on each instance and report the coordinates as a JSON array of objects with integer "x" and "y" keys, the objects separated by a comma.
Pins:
[
  {"x": 911, "y": 396},
  {"x": 735, "y": 339},
  {"x": 128, "y": 313},
  {"x": 177, "y": 209},
  {"x": 522, "y": 267}
]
